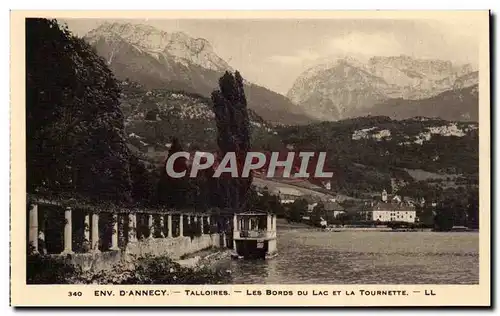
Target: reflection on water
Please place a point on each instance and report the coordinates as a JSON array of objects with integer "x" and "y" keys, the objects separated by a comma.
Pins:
[{"x": 312, "y": 256}]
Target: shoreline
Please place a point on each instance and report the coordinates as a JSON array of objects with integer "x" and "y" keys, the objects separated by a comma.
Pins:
[{"x": 205, "y": 258}]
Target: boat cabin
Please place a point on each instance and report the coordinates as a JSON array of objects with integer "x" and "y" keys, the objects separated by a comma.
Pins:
[{"x": 254, "y": 234}]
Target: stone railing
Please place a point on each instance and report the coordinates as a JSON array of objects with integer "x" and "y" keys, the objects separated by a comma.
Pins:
[{"x": 255, "y": 234}]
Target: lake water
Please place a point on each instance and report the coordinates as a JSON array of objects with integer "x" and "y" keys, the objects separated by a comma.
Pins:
[{"x": 309, "y": 255}]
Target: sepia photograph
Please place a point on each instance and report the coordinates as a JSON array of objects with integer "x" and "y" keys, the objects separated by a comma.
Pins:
[{"x": 253, "y": 151}]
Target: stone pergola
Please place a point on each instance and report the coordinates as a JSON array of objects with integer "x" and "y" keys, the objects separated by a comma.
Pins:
[{"x": 91, "y": 224}]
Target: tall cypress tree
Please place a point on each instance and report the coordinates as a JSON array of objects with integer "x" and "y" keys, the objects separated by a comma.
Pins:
[{"x": 230, "y": 108}]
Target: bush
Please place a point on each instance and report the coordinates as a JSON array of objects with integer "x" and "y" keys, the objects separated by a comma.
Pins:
[
  {"x": 163, "y": 270},
  {"x": 143, "y": 270},
  {"x": 49, "y": 269}
]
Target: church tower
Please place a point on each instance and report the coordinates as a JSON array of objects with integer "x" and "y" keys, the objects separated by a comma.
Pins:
[{"x": 384, "y": 196}]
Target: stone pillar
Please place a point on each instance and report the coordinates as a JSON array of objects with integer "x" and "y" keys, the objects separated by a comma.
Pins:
[
  {"x": 169, "y": 226},
  {"x": 275, "y": 220},
  {"x": 42, "y": 247},
  {"x": 201, "y": 224},
  {"x": 121, "y": 229},
  {"x": 86, "y": 232},
  {"x": 114, "y": 235},
  {"x": 224, "y": 240},
  {"x": 195, "y": 220},
  {"x": 68, "y": 240},
  {"x": 151, "y": 227},
  {"x": 95, "y": 232},
  {"x": 269, "y": 224},
  {"x": 162, "y": 225},
  {"x": 235, "y": 230},
  {"x": 33, "y": 224},
  {"x": 136, "y": 233},
  {"x": 235, "y": 223},
  {"x": 181, "y": 226},
  {"x": 132, "y": 235}
]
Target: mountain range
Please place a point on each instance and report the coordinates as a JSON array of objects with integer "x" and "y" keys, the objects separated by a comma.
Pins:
[
  {"x": 176, "y": 61},
  {"x": 396, "y": 86},
  {"x": 347, "y": 88}
]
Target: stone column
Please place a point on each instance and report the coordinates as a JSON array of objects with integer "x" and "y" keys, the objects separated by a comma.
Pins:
[
  {"x": 235, "y": 230},
  {"x": 162, "y": 225},
  {"x": 132, "y": 236},
  {"x": 95, "y": 232},
  {"x": 201, "y": 224},
  {"x": 33, "y": 224},
  {"x": 136, "y": 233},
  {"x": 121, "y": 229},
  {"x": 169, "y": 226},
  {"x": 269, "y": 226},
  {"x": 181, "y": 226},
  {"x": 86, "y": 232},
  {"x": 42, "y": 247},
  {"x": 151, "y": 226},
  {"x": 235, "y": 223},
  {"x": 68, "y": 241},
  {"x": 275, "y": 219},
  {"x": 195, "y": 220},
  {"x": 114, "y": 235}
]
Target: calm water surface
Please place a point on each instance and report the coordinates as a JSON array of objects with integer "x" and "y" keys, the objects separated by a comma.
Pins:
[{"x": 310, "y": 256}]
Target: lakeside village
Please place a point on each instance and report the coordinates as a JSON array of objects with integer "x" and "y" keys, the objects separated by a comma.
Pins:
[{"x": 381, "y": 211}]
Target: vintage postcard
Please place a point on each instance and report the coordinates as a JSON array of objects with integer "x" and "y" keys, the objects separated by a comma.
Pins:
[{"x": 239, "y": 158}]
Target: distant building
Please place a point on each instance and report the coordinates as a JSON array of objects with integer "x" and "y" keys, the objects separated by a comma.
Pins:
[
  {"x": 327, "y": 185},
  {"x": 396, "y": 199},
  {"x": 394, "y": 210},
  {"x": 287, "y": 195},
  {"x": 391, "y": 212},
  {"x": 312, "y": 202},
  {"x": 334, "y": 208},
  {"x": 384, "y": 196}
]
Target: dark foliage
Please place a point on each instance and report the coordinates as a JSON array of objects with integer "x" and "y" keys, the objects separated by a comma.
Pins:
[
  {"x": 367, "y": 165},
  {"x": 230, "y": 108},
  {"x": 48, "y": 269},
  {"x": 74, "y": 125},
  {"x": 174, "y": 192}
]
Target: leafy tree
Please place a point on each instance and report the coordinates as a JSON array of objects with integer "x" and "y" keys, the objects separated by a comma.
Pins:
[
  {"x": 143, "y": 181},
  {"x": 48, "y": 270},
  {"x": 74, "y": 125},
  {"x": 297, "y": 209},
  {"x": 173, "y": 192},
  {"x": 318, "y": 213},
  {"x": 265, "y": 202},
  {"x": 473, "y": 209}
]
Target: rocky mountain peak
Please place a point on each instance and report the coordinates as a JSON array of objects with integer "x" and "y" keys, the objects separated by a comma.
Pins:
[
  {"x": 146, "y": 38},
  {"x": 348, "y": 87}
]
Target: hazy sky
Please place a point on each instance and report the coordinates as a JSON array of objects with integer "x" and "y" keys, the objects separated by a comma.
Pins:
[{"x": 273, "y": 53}]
